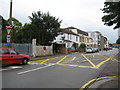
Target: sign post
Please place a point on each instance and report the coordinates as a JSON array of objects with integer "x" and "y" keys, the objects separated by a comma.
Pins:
[
  {"x": 8, "y": 29},
  {"x": 44, "y": 48}
]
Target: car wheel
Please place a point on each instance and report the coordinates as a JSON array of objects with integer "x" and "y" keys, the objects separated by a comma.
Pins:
[{"x": 25, "y": 61}]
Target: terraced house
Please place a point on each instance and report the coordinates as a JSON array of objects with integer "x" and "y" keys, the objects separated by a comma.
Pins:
[
  {"x": 71, "y": 35},
  {"x": 97, "y": 40}
]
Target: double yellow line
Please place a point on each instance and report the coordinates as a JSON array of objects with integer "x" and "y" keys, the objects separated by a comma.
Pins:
[{"x": 93, "y": 80}]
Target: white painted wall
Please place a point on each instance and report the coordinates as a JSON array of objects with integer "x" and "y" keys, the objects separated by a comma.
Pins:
[
  {"x": 94, "y": 36},
  {"x": 39, "y": 51},
  {"x": 74, "y": 30},
  {"x": 70, "y": 37}
]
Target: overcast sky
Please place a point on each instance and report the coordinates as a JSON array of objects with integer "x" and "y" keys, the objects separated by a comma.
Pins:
[{"x": 83, "y": 14}]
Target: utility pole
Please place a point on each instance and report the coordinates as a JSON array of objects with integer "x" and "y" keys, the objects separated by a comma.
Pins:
[
  {"x": 10, "y": 13},
  {"x": 9, "y": 27}
]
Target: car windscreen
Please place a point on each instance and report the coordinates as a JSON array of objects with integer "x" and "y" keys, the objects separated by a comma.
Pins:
[{"x": 89, "y": 48}]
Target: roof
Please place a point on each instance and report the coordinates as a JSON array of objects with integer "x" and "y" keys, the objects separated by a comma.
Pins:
[
  {"x": 67, "y": 30},
  {"x": 82, "y": 32},
  {"x": 70, "y": 27}
]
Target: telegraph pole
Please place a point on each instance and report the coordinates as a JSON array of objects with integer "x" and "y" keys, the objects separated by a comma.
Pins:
[
  {"x": 9, "y": 27},
  {"x": 10, "y": 12}
]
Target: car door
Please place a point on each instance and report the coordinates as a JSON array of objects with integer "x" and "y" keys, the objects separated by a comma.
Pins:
[
  {"x": 5, "y": 56},
  {"x": 15, "y": 57}
]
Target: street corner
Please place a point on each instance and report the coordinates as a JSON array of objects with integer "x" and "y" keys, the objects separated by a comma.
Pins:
[{"x": 102, "y": 82}]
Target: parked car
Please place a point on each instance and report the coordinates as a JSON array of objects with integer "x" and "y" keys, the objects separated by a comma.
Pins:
[
  {"x": 9, "y": 56},
  {"x": 73, "y": 49},
  {"x": 88, "y": 50},
  {"x": 106, "y": 49},
  {"x": 110, "y": 48},
  {"x": 96, "y": 50}
]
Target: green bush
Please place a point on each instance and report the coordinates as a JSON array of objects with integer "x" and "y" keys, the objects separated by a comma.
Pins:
[
  {"x": 82, "y": 47},
  {"x": 75, "y": 45}
]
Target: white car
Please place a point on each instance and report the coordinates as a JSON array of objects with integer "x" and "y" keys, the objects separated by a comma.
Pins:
[
  {"x": 88, "y": 50},
  {"x": 95, "y": 49}
]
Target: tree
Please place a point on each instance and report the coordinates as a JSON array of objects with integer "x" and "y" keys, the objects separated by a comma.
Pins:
[
  {"x": 75, "y": 45},
  {"x": 82, "y": 47},
  {"x": 118, "y": 41},
  {"x": 44, "y": 26},
  {"x": 112, "y": 9},
  {"x": 26, "y": 34},
  {"x": 17, "y": 26},
  {"x": 4, "y": 24}
]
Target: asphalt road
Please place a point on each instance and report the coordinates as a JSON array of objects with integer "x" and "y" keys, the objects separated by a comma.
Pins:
[{"x": 66, "y": 71}]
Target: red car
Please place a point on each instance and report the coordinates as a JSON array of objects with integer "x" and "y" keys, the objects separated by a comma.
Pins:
[{"x": 9, "y": 56}]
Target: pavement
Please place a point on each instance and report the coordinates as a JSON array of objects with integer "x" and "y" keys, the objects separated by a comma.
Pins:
[
  {"x": 109, "y": 78},
  {"x": 75, "y": 70}
]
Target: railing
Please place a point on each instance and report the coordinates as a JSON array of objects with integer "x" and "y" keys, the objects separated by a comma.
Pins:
[{"x": 20, "y": 48}]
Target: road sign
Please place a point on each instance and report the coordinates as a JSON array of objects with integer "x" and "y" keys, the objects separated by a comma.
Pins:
[
  {"x": 9, "y": 29},
  {"x": 44, "y": 48},
  {"x": 8, "y": 44},
  {"x": 8, "y": 38}
]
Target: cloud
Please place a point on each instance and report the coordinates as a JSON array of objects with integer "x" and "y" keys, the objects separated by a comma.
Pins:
[{"x": 83, "y": 14}]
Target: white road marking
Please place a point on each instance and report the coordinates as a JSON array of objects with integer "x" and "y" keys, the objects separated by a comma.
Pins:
[
  {"x": 35, "y": 69},
  {"x": 3, "y": 70},
  {"x": 15, "y": 67},
  {"x": 33, "y": 63},
  {"x": 10, "y": 68}
]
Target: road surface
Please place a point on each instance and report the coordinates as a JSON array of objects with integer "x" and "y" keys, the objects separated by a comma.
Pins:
[{"x": 66, "y": 71}]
